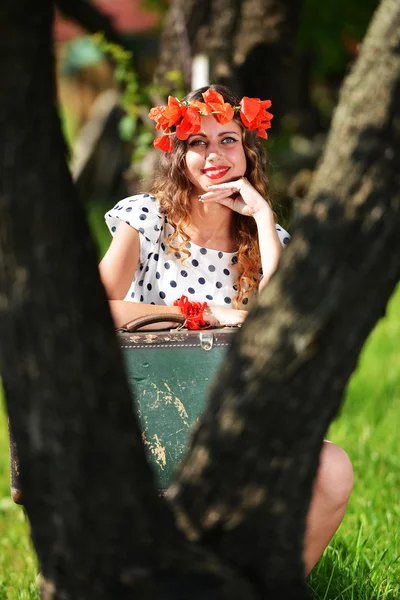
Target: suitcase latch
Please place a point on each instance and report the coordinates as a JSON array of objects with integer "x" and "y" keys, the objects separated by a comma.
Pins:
[{"x": 206, "y": 340}]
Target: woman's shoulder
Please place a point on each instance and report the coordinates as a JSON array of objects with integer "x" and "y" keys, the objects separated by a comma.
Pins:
[
  {"x": 142, "y": 212},
  {"x": 143, "y": 204}
]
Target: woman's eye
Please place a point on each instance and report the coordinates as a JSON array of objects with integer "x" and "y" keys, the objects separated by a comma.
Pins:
[
  {"x": 196, "y": 143},
  {"x": 229, "y": 140}
]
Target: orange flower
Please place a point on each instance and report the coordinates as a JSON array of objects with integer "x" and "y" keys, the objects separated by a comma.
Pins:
[
  {"x": 167, "y": 116},
  {"x": 201, "y": 107},
  {"x": 254, "y": 115},
  {"x": 221, "y": 110},
  {"x": 164, "y": 142},
  {"x": 190, "y": 124},
  {"x": 186, "y": 118},
  {"x": 156, "y": 114},
  {"x": 173, "y": 112}
]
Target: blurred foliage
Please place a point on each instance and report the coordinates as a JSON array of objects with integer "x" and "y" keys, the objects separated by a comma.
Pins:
[
  {"x": 160, "y": 6},
  {"x": 327, "y": 42},
  {"x": 136, "y": 99},
  {"x": 330, "y": 34}
]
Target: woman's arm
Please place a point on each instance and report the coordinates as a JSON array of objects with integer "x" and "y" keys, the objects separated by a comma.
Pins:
[
  {"x": 117, "y": 270},
  {"x": 250, "y": 203},
  {"x": 120, "y": 262},
  {"x": 270, "y": 245},
  {"x": 123, "y": 312}
]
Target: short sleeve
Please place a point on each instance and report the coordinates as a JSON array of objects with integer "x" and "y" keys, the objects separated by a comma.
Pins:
[
  {"x": 284, "y": 236},
  {"x": 141, "y": 212}
]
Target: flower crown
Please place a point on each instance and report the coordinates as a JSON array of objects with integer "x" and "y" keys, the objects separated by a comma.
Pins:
[{"x": 186, "y": 117}]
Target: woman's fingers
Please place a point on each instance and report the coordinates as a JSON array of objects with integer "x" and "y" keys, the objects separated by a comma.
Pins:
[
  {"x": 225, "y": 201},
  {"x": 220, "y": 193},
  {"x": 228, "y": 316},
  {"x": 223, "y": 196},
  {"x": 236, "y": 184},
  {"x": 237, "y": 195},
  {"x": 228, "y": 188}
]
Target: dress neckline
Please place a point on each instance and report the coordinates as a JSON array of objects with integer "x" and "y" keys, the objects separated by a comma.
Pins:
[
  {"x": 190, "y": 243},
  {"x": 198, "y": 246}
]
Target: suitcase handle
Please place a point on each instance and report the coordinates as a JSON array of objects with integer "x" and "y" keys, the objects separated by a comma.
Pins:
[{"x": 139, "y": 322}]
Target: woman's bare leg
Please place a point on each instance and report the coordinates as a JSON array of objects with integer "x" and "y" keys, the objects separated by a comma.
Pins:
[{"x": 331, "y": 493}]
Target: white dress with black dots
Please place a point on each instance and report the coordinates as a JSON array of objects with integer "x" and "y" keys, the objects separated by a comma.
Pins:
[{"x": 161, "y": 277}]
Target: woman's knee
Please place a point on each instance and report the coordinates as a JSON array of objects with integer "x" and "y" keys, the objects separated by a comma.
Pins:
[{"x": 335, "y": 475}]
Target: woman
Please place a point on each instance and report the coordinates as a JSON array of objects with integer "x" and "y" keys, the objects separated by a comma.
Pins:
[
  {"x": 208, "y": 234},
  {"x": 203, "y": 231}
]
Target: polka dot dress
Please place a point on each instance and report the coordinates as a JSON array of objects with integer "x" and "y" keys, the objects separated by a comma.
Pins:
[{"x": 162, "y": 276}]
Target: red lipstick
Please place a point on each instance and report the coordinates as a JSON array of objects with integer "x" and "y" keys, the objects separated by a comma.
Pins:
[{"x": 215, "y": 172}]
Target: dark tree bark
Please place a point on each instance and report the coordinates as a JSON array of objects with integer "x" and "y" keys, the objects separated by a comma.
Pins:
[
  {"x": 224, "y": 19},
  {"x": 184, "y": 23},
  {"x": 264, "y": 54},
  {"x": 241, "y": 497},
  {"x": 98, "y": 525},
  {"x": 249, "y": 42}
]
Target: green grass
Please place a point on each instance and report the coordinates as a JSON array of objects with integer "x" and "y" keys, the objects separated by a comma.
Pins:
[
  {"x": 362, "y": 562},
  {"x": 18, "y": 567}
]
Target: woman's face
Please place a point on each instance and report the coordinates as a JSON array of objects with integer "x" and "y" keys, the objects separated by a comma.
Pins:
[{"x": 215, "y": 154}]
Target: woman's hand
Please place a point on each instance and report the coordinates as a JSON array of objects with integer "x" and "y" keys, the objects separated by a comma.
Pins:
[
  {"x": 238, "y": 195},
  {"x": 219, "y": 316},
  {"x": 241, "y": 197}
]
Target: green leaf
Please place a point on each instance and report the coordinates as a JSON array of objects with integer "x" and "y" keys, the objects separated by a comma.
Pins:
[
  {"x": 145, "y": 138},
  {"x": 127, "y": 127}
]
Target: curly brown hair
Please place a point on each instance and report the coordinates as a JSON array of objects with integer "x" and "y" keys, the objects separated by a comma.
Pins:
[{"x": 172, "y": 188}]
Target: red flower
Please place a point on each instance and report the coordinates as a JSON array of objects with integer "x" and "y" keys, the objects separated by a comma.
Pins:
[
  {"x": 156, "y": 114},
  {"x": 186, "y": 119},
  {"x": 254, "y": 115},
  {"x": 164, "y": 142},
  {"x": 190, "y": 124},
  {"x": 167, "y": 116},
  {"x": 201, "y": 107},
  {"x": 221, "y": 110},
  {"x": 173, "y": 112}
]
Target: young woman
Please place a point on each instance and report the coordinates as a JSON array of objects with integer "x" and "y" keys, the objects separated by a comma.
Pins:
[
  {"x": 207, "y": 229},
  {"x": 207, "y": 232}
]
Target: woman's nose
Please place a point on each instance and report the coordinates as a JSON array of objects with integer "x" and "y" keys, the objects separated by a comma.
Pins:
[{"x": 213, "y": 152}]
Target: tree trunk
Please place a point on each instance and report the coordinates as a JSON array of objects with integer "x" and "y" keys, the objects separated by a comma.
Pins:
[
  {"x": 98, "y": 525},
  {"x": 247, "y": 481},
  {"x": 250, "y": 44},
  {"x": 184, "y": 22},
  {"x": 99, "y": 528},
  {"x": 264, "y": 55}
]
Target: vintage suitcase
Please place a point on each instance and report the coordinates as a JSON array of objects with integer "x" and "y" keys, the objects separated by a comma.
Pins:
[{"x": 170, "y": 372}]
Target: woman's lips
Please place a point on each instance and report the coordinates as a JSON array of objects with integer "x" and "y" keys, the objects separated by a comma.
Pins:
[{"x": 215, "y": 172}]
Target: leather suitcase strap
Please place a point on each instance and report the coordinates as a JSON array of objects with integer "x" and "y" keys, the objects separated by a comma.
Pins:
[{"x": 139, "y": 322}]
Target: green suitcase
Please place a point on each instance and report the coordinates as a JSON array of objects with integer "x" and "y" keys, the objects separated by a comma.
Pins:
[{"x": 170, "y": 372}]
